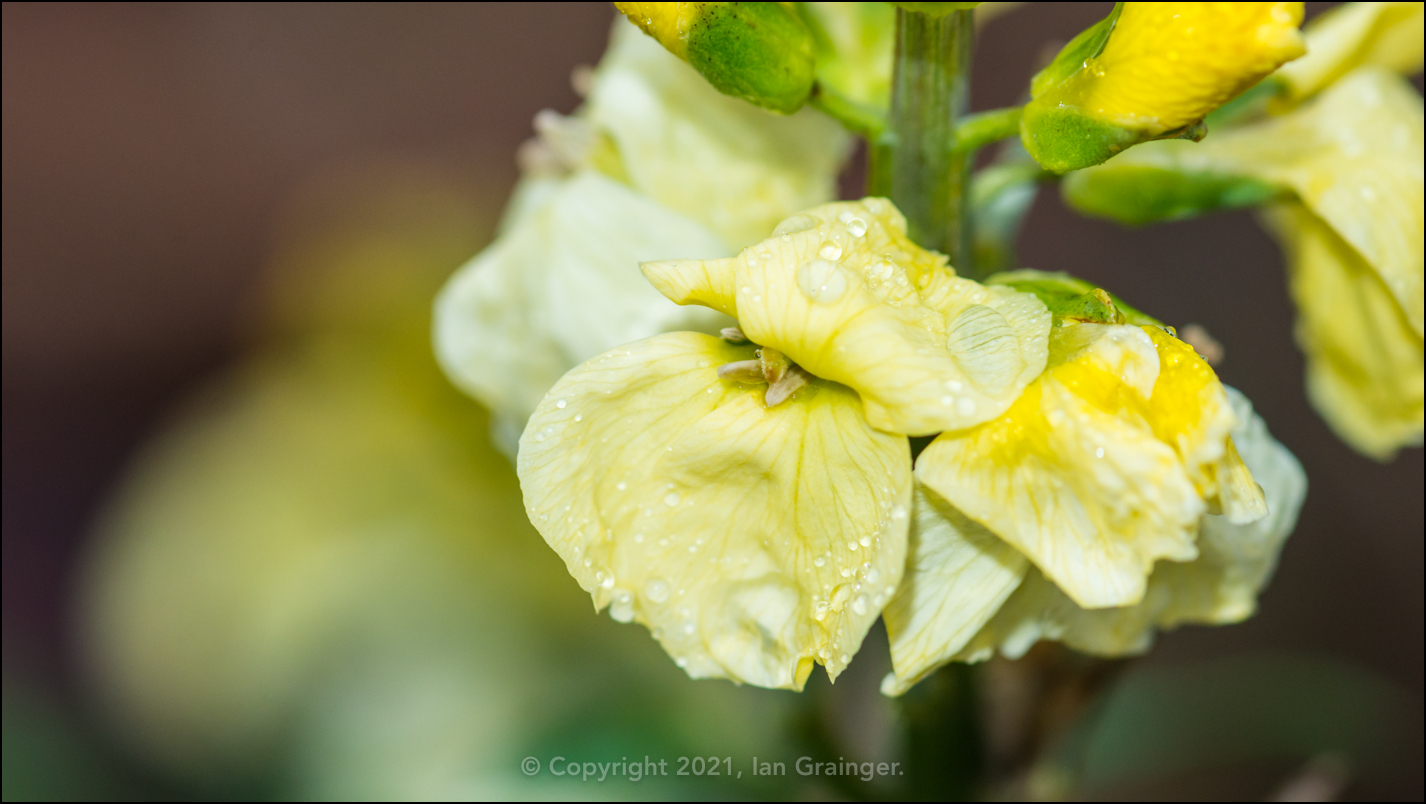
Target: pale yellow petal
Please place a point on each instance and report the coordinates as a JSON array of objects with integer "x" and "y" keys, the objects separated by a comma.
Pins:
[
  {"x": 842, "y": 291},
  {"x": 561, "y": 285},
  {"x": 1073, "y": 474},
  {"x": 1221, "y": 586},
  {"x": 752, "y": 541},
  {"x": 1364, "y": 359},
  {"x": 1352, "y": 35},
  {"x": 957, "y": 576},
  {"x": 720, "y": 160}
]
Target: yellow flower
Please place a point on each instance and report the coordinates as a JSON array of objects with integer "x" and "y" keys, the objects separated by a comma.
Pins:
[
  {"x": 1103, "y": 466},
  {"x": 758, "y": 530},
  {"x": 656, "y": 164},
  {"x": 1156, "y": 71},
  {"x": 1349, "y": 167},
  {"x": 967, "y": 592},
  {"x": 1235, "y": 561}
]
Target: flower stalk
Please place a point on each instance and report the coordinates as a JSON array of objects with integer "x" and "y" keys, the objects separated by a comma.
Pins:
[{"x": 917, "y": 164}]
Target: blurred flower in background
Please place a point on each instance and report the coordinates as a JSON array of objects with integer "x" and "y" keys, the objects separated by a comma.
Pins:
[{"x": 320, "y": 577}]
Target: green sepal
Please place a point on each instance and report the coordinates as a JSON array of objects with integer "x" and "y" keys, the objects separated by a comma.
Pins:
[
  {"x": 1064, "y": 138},
  {"x": 1136, "y": 194},
  {"x": 1088, "y": 44},
  {"x": 760, "y": 52},
  {"x": 1074, "y": 299}
]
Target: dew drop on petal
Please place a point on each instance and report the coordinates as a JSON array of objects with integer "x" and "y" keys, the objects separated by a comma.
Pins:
[
  {"x": 657, "y": 590},
  {"x": 857, "y": 227},
  {"x": 859, "y": 605},
  {"x": 1099, "y": 452},
  {"x": 671, "y": 499},
  {"x": 965, "y": 407},
  {"x": 819, "y": 561},
  {"x": 560, "y": 404},
  {"x": 830, "y": 250},
  {"x": 622, "y": 609},
  {"x": 821, "y": 281}
]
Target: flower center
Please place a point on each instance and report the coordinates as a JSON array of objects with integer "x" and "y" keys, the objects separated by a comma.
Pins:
[{"x": 783, "y": 377}]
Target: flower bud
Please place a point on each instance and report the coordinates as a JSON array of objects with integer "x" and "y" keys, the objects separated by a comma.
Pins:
[
  {"x": 1152, "y": 71},
  {"x": 760, "y": 52}
]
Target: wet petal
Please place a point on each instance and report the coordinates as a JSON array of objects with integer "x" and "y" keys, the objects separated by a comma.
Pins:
[
  {"x": 560, "y": 286},
  {"x": 843, "y": 292},
  {"x": 1234, "y": 564},
  {"x": 1076, "y": 475},
  {"x": 957, "y": 576},
  {"x": 751, "y": 540}
]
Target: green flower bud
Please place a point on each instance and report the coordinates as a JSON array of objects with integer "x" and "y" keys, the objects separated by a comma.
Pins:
[{"x": 760, "y": 52}]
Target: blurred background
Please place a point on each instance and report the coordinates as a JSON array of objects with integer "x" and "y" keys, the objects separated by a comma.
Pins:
[{"x": 255, "y": 545}]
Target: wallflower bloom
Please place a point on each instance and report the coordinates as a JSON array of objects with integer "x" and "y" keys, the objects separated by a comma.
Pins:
[
  {"x": 656, "y": 164},
  {"x": 760, "y": 530},
  {"x": 1152, "y": 70},
  {"x": 1347, "y": 170},
  {"x": 1101, "y": 471},
  {"x": 967, "y": 593}
]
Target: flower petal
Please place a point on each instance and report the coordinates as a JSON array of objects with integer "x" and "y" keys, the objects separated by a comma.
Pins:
[
  {"x": 1074, "y": 475},
  {"x": 842, "y": 291},
  {"x": 719, "y": 160},
  {"x": 1364, "y": 359},
  {"x": 751, "y": 540},
  {"x": 560, "y": 286},
  {"x": 957, "y": 576},
  {"x": 1221, "y": 586},
  {"x": 1353, "y": 34}
]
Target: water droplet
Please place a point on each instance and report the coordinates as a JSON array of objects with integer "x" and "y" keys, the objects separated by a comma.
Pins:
[
  {"x": 857, "y": 227},
  {"x": 1099, "y": 452},
  {"x": 540, "y": 436},
  {"x": 579, "y": 417},
  {"x": 608, "y": 582},
  {"x": 671, "y": 499},
  {"x": 830, "y": 250},
  {"x": 898, "y": 512},
  {"x": 821, "y": 281},
  {"x": 688, "y": 628},
  {"x": 795, "y": 224},
  {"x": 622, "y": 609},
  {"x": 866, "y": 541},
  {"x": 872, "y": 575},
  {"x": 852, "y": 545},
  {"x": 965, "y": 407},
  {"x": 859, "y": 605},
  {"x": 639, "y": 538},
  {"x": 846, "y": 573},
  {"x": 656, "y": 590},
  {"x": 954, "y": 386},
  {"x": 560, "y": 404},
  {"x": 680, "y": 661},
  {"x": 819, "y": 561},
  {"x": 846, "y": 658},
  {"x": 589, "y": 563}
]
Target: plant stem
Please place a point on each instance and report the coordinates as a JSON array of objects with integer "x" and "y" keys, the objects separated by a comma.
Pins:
[
  {"x": 916, "y": 162},
  {"x": 868, "y": 121},
  {"x": 978, "y": 130}
]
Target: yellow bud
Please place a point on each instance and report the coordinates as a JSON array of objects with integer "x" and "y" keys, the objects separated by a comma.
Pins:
[
  {"x": 1160, "y": 71},
  {"x": 666, "y": 22}
]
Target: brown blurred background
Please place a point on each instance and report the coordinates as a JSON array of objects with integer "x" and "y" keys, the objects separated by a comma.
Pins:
[{"x": 149, "y": 149}]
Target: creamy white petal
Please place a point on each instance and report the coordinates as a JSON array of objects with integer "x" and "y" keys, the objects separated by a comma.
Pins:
[
  {"x": 726, "y": 163},
  {"x": 846, "y": 294},
  {"x": 753, "y": 541},
  {"x": 561, "y": 285},
  {"x": 957, "y": 576},
  {"x": 1353, "y": 34}
]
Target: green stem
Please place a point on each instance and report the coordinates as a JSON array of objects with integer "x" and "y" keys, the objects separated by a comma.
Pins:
[
  {"x": 859, "y": 118},
  {"x": 979, "y": 130},
  {"x": 916, "y": 162}
]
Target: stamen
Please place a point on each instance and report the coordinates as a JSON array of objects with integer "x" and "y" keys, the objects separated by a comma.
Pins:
[
  {"x": 775, "y": 364},
  {"x": 786, "y": 386},
  {"x": 733, "y": 335},
  {"x": 747, "y": 371}
]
